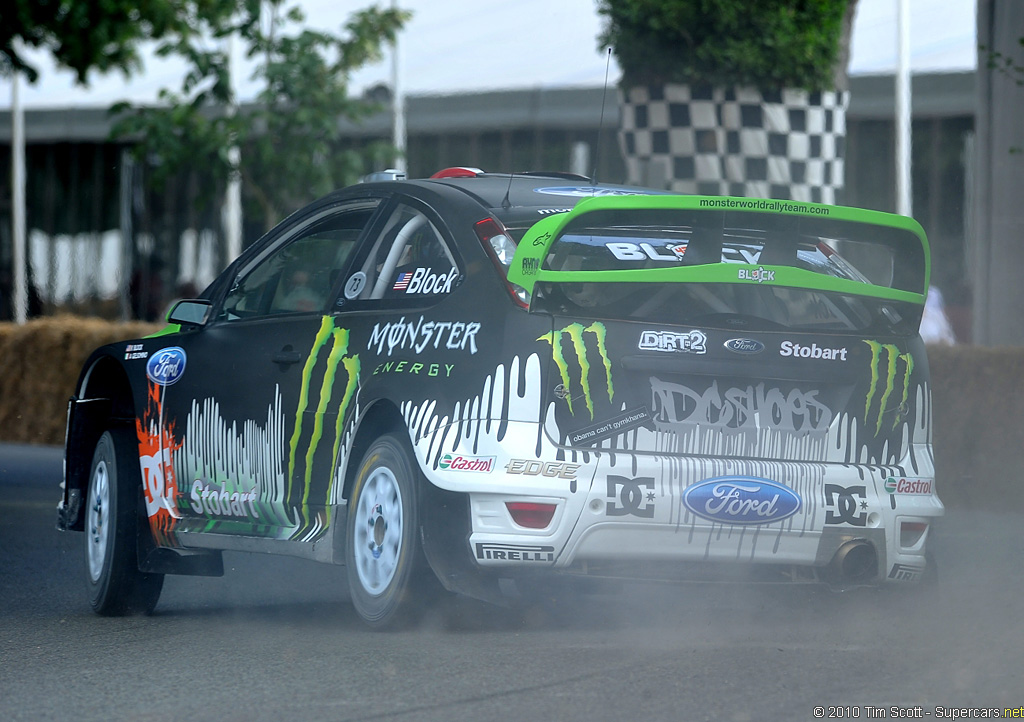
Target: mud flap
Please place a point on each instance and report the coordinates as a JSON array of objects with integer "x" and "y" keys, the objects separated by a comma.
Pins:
[{"x": 444, "y": 534}]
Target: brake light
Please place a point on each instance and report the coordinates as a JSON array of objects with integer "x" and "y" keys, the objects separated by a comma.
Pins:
[
  {"x": 458, "y": 172},
  {"x": 500, "y": 248},
  {"x": 911, "y": 533},
  {"x": 531, "y": 515}
]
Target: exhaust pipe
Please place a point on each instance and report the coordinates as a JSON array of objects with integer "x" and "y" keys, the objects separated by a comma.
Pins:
[{"x": 856, "y": 561}]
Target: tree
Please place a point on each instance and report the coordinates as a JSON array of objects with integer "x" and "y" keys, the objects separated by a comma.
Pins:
[
  {"x": 770, "y": 44},
  {"x": 1006, "y": 65},
  {"x": 731, "y": 96},
  {"x": 102, "y": 36},
  {"x": 289, "y": 135},
  {"x": 997, "y": 215}
]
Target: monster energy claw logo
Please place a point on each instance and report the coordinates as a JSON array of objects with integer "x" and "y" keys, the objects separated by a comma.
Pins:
[
  {"x": 887, "y": 362},
  {"x": 335, "y": 357},
  {"x": 574, "y": 332}
]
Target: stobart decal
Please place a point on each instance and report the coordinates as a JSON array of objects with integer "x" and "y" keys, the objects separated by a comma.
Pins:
[
  {"x": 895, "y": 368},
  {"x": 574, "y": 332},
  {"x": 339, "y": 340}
]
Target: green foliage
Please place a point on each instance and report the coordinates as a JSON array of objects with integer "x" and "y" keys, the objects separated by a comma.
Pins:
[
  {"x": 288, "y": 137},
  {"x": 767, "y": 44},
  {"x": 1008, "y": 66},
  {"x": 1003, "y": 63},
  {"x": 96, "y": 35}
]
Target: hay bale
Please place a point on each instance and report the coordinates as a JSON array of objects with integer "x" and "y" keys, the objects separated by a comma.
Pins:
[
  {"x": 41, "y": 361},
  {"x": 977, "y": 396}
]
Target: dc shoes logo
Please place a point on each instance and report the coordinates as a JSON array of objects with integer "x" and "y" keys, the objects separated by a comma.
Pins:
[
  {"x": 844, "y": 503},
  {"x": 633, "y": 500}
]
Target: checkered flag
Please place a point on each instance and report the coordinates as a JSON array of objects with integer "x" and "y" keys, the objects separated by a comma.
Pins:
[{"x": 786, "y": 144}]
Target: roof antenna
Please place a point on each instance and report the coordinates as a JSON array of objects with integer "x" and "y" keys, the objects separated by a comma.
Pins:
[
  {"x": 505, "y": 202},
  {"x": 600, "y": 125}
]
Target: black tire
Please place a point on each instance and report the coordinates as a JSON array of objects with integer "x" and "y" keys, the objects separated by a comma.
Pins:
[
  {"x": 388, "y": 576},
  {"x": 112, "y": 524}
]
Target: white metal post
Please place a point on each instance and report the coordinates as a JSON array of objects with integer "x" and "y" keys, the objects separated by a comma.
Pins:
[
  {"x": 20, "y": 295},
  {"x": 904, "y": 191},
  {"x": 127, "y": 235},
  {"x": 232, "y": 211},
  {"x": 398, "y": 103}
]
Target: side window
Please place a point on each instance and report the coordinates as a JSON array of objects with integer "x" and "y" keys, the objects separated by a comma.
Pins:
[
  {"x": 409, "y": 261},
  {"x": 297, "y": 274}
]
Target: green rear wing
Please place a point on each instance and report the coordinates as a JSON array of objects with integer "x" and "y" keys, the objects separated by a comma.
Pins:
[{"x": 718, "y": 239}]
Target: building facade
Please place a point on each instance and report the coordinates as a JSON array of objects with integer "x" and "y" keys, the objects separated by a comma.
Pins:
[{"x": 103, "y": 241}]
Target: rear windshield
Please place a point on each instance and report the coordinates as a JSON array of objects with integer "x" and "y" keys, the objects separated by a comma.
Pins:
[
  {"x": 728, "y": 306},
  {"x": 652, "y": 239}
]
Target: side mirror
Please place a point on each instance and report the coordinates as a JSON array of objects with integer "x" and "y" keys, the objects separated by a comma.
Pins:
[{"x": 190, "y": 312}]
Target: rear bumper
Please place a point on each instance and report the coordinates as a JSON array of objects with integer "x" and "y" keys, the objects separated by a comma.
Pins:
[{"x": 843, "y": 523}]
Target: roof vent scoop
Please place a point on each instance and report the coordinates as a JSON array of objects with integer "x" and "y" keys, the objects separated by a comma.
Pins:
[{"x": 391, "y": 174}]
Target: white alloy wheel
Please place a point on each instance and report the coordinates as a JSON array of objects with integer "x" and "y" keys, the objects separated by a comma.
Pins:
[
  {"x": 378, "y": 530},
  {"x": 113, "y": 522},
  {"x": 388, "y": 575},
  {"x": 96, "y": 523}
]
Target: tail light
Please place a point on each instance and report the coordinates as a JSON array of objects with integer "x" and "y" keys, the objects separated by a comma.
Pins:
[
  {"x": 500, "y": 248},
  {"x": 911, "y": 533},
  {"x": 529, "y": 514}
]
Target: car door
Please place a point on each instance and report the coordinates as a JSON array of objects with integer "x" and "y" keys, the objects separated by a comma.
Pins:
[
  {"x": 241, "y": 428},
  {"x": 417, "y": 338}
]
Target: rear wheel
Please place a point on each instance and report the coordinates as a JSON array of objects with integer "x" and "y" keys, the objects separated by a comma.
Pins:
[
  {"x": 387, "y": 572},
  {"x": 112, "y": 524}
]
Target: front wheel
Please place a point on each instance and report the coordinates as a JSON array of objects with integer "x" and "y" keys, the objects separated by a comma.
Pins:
[
  {"x": 112, "y": 516},
  {"x": 387, "y": 572}
]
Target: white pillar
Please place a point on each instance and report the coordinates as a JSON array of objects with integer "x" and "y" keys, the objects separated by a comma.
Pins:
[
  {"x": 232, "y": 211},
  {"x": 20, "y": 291},
  {"x": 398, "y": 103},
  {"x": 904, "y": 192},
  {"x": 127, "y": 235}
]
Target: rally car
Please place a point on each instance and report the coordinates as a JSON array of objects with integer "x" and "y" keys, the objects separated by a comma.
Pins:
[{"x": 493, "y": 380}]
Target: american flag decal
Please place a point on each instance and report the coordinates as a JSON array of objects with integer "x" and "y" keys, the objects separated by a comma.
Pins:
[{"x": 403, "y": 281}]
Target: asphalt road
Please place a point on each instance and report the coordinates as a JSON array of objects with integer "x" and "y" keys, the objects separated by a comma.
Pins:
[{"x": 276, "y": 639}]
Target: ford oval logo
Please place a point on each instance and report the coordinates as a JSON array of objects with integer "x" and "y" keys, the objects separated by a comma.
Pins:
[
  {"x": 166, "y": 366},
  {"x": 744, "y": 345},
  {"x": 741, "y": 500}
]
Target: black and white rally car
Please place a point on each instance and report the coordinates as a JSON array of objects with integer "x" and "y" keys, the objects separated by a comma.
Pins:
[{"x": 490, "y": 380}]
